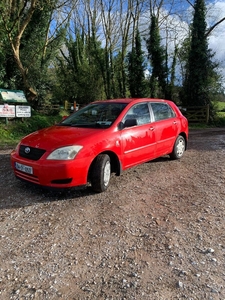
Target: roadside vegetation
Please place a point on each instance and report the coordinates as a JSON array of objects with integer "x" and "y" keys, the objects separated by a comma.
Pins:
[
  {"x": 220, "y": 114},
  {"x": 14, "y": 130}
]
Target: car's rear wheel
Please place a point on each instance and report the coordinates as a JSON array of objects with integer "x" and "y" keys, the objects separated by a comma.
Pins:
[
  {"x": 101, "y": 173},
  {"x": 179, "y": 148}
]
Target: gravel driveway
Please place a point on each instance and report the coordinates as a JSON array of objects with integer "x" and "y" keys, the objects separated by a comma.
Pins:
[{"x": 158, "y": 232}]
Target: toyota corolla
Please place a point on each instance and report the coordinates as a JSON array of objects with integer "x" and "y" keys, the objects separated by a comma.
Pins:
[{"x": 102, "y": 138}]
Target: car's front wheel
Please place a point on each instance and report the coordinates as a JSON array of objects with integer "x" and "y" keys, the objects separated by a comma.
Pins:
[
  {"x": 101, "y": 173},
  {"x": 179, "y": 148}
]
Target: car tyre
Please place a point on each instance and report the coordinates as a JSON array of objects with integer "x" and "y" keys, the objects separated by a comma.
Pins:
[
  {"x": 179, "y": 148},
  {"x": 101, "y": 173}
]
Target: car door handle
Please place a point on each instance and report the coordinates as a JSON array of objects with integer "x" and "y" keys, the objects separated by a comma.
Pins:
[
  {"x": 175, "y": 122},
  {"x": 152, "y": 128}
]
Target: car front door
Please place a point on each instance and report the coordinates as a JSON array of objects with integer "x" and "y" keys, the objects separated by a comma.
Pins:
[{"x": 138, "y": 140}]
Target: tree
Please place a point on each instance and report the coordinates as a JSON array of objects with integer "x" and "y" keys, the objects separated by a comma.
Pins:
[
  {"x": 26, "y": 26},
  {"x": 136, "y": 68},
  {"x": 171, "y": 87},
  {"x": 79, "y": 72},
  {"x": 201, "y": 73},
  {"x": 157, "y": 56}
]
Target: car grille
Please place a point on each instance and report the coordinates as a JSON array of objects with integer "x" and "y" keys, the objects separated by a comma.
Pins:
[{"x": 30, "y": 152}]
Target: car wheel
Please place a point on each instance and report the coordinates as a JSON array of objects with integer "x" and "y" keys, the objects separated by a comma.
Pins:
[
  {"x": 101, "y": 173},
  {"x": 179, "y": 148}
]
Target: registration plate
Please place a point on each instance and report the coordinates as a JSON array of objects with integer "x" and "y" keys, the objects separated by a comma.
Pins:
[{"x": 23, "y": 168}]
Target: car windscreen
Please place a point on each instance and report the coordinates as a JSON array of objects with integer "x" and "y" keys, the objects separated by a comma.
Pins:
[{"x": 96, "y": 115}]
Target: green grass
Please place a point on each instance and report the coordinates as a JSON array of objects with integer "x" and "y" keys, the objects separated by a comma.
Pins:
[
  {"x": 12, "y": 132},
  {"x": 220, "y": 106},
  {"x": 220, "y": 113}
]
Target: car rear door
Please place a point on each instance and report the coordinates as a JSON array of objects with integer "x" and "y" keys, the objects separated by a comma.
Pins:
[
  {"x": 138, "y": 141},
  {"x": 165, "y": 127}
]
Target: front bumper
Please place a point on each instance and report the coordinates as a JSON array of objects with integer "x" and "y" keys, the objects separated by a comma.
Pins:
[{"x": 52, "y": 173}]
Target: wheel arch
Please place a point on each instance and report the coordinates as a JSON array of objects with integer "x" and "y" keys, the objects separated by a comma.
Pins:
[
  {"x": 115, "y": 163},
  {"x": 183, "y": 134}
]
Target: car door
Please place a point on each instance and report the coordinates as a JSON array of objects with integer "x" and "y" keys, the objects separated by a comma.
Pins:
[
  {"x": 165, "y": 127},
  {"x": 138, "y": 141}
]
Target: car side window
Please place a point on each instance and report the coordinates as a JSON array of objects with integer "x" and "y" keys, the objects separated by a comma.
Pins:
[
  {"x": 162, "y": 111},
  {"x": 140, "y": 112}
]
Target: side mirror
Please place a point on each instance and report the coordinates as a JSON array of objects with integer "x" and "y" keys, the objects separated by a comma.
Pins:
[
  {"x": 121, "y": 125},
  {"x": 127, "y": 123},
  {"x": 130, "y": 122}
]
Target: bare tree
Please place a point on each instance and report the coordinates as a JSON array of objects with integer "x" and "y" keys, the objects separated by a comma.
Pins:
[{"x": 119, "y": 20}]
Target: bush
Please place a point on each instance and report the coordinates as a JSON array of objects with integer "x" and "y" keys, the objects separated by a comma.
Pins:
[
  {"x": 220, "y": 119},
  {"x": 17, "y": 128}
]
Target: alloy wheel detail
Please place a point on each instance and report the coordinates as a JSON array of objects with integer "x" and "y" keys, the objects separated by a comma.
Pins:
[
  {"x": 179, "y": 148},
  {"x": 107, "y": 173}
]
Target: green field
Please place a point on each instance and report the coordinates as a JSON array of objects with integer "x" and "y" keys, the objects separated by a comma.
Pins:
[{"x": 220, "y": 106}]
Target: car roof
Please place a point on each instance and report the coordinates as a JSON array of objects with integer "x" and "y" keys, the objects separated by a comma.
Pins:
[{"x": 129, "y": 100}]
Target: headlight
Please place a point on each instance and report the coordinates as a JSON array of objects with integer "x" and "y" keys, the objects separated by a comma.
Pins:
[{"x": 65, "y": 153}]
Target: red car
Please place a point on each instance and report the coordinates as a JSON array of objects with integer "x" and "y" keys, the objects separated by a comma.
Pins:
[{"x": 103, "y": 137}]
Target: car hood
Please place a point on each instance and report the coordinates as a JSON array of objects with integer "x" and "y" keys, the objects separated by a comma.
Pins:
[{"x": 58, "y": 136}]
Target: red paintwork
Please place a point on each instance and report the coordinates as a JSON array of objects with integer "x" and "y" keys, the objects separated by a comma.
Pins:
[{"x": 132, "y": 146}]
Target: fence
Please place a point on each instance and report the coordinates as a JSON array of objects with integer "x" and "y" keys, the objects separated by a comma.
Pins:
[
  {"x": 46, "y": 109},
  {"x": 196, "y": 114}
]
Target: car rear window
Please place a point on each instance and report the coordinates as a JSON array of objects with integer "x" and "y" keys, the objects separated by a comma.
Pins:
[{"x": 162, "y": 111}]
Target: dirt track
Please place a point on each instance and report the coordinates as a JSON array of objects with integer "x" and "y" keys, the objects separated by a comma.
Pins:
[{"x": 158, "y": 232}]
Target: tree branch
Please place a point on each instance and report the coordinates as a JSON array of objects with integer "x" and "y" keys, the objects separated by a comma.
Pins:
[{"x": 214, "y": 26}]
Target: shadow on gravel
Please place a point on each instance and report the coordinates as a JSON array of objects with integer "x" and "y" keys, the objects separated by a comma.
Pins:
[
  {"x": 209, "y": 139},
  {"x": 26, "y": 194},
  {"x": 16, "y": 194}
]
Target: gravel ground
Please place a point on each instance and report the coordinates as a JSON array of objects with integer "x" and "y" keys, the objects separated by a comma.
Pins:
[{"x": 158, "y": 232}]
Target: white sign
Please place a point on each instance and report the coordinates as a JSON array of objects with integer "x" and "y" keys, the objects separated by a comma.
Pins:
[
  {"x": 23, "y": 111},
  {"x": 7, "y": 111}
]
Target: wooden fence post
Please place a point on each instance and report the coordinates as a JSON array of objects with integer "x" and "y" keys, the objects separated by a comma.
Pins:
[{"x": 207, "y": 113}]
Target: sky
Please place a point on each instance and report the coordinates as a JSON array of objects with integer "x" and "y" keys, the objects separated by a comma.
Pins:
[
  {"x": 178, "y": 17},
  {"x": 217, "y": 37},
  {"x": 216, "y": 41}
]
